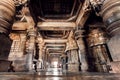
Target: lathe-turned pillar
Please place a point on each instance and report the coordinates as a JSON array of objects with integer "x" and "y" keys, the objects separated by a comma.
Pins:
[
  {"x": 72, "y": 54},
  {"x": 64, "y": 61},
  {"x": 31, "y": 49},
  {"x": 97, "y": 43},
  {"x": 110, "y": 13},
  {"x": 40, "y": 63},
  {"x": 82, "y": 49}
]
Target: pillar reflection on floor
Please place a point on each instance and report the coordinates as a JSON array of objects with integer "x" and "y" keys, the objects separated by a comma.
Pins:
[{"x": 51, "y": 71}]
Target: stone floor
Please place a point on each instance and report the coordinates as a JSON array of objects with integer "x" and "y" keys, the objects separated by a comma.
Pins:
[
  {"x": 57, "y": 74},
  {"x": 65, "y": 76}
]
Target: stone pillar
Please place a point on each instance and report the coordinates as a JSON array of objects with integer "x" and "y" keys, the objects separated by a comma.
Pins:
[
  {"x": 73, "y": 61},
  {"x": 44, "y": 58},
  {"x": 41, "y": 52},
  {"x": 97, "y": 42},
  {"x": 31, "y": 49},
  {"x": 110, "y": 12},
  {"x": 72, "y": 54},
  {"x": 82, "y": 49},
  {"x": 111, "y": 17},
  {"x": 17, "y": 52},
  {"x": 64, "y": 61}
]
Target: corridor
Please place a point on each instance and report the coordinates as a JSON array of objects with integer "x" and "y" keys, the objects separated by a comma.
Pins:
[{"x": 59, "y": 39}]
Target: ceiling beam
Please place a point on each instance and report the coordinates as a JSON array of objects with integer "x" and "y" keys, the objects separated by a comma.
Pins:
[
  {"x": 56, "y": 48},
  {"x": 56, "y": 45},
  {"x": 83, "y": 14},
  {"x": 55, "y": 41},
  {"x": 56, "y": 53},
  {"x": 56, "y": 25}
]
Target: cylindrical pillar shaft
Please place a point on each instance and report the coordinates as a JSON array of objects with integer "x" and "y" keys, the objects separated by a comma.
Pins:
[
  {"x": 73, "y": 61},
  {"x": 72, "y": 54},
  {"x": 7, "y": 12},
  {"x": 97, "y": 42},
  {"x": 111, "y": 16},
  {"x": 31, "y": 50},
  {"x": 41, "y": 52},
  {"x": 110, "y": 12},
  {"x": 82, "y": 49}
]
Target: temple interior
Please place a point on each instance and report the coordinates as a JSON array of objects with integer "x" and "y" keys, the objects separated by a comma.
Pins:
[{"x": 60, "y": 39}]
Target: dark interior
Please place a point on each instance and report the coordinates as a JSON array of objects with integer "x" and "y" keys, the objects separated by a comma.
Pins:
[
  {"x": 54, "y": 34},
  {"x": 54, "y": 9}
]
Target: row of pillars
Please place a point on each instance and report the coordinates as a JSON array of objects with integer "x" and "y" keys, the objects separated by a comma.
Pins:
[
  {"x": 77, "y": 55},
  {"x": 110, "y": 12},
  {"x": 76, "y": 58},
  {"x": 35, "y": 41}
]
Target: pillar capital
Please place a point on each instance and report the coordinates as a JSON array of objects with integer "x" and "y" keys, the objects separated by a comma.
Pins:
[
  {"x": 79, "y": 33},
  {"x": 31, "y": 32},
  {"x": 71, "y": 43},
  {"x": 97, "y": 37}
]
